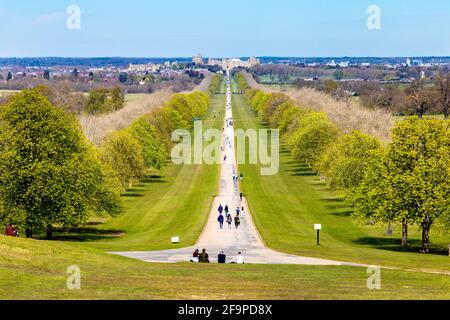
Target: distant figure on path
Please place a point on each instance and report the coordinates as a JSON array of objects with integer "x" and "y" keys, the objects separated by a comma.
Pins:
[
  {"x": 195, "y": 256},
  {"x": 220, "y": 209},
  {"x": 238, "y": 211},
  {"x": 10, "y": 231},
  {"x": 227, "y": 209},
  {"x": 204, "y": 257},
  {"x": 240, "y": 259},
  {"x": 237, "y": 222},
  {"x": 229, "y": 221},
  {"x": 220, "y": 219},
  {"x": 241, "y": 196},
  {"x": 222, "y": 258}
]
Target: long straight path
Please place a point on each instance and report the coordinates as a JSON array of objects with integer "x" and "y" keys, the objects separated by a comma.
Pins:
[{"x": 245, "y": 238}]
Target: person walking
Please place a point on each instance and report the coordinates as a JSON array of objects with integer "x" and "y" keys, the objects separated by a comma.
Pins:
[
  {"x": 229, "y": 221},
  {"x": 204, "y": 257},
  {"x": 222, "y": 258},
  {"x": 238, "y": 211},
  {"x": 220, "y": 209},
  {"x": 237, "y": 222},
  {"x": 220, "y": 219},
  {"x": 241, "y": 196},
  {"x": 227, "y": 210}
]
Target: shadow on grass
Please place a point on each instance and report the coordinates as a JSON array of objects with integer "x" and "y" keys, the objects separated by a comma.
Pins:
[
  {"x": 84, "y": 234},
  {"x": 343, "y": 214},
  {"x": 393, "y": 244}
]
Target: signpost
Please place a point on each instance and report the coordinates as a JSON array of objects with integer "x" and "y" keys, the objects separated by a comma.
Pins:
[
  {"x": 175, "y": 240},
  {"x": 318, "y": 227}
]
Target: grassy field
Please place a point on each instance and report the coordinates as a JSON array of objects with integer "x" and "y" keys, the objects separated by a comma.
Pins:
[
  {"x": 31, "y": 269},
  {"x": 176, "y": 202},
  {"x": 287, "y": 205}
]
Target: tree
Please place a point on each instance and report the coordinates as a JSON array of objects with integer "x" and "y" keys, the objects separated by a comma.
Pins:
[
  {"x": 103, "y": 100},
  {"x": 410, "y": 181},
  {"x": 339, "y": 75},
  {"x": 153, "y": 149},
  {"x": 50, "y": 173},
  {"x": 421, "y": 97},
  {"x": 166, "y": 120},
  {"x": 123, "y": 77},
  {"x": 116, "y": 99},
  {"x": 313, "y": 135},
  {"x": 46, "y": 75},
  {"x": 9, "y": 76},
  {"x": 75, "y": 74},
  {"x": 345, "y": 162},
  {"x": 443, "y": 88},
  {"x": 123, "y": 153},
  {"x": 97, "y": 101}
]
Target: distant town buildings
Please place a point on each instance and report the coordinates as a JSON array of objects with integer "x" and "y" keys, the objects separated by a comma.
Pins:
[
  {"x": 230, "y": 64},
  {"x": 139, "y": 67},
  {"x": 198, "y": 59}
]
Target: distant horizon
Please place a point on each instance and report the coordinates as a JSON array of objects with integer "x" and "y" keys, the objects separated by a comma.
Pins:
[{"x": 245, "y": 56}]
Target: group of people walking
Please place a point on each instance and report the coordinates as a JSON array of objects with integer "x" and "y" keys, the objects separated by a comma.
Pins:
[
  {"x": 203, "y": 257},
  {"x": 226, "y": 217}
]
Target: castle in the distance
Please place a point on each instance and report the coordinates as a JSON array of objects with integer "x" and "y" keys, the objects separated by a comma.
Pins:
[{"x": 226, "y": 63}]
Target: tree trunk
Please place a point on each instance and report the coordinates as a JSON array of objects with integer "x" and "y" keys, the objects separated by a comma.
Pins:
[
  {"x": 49, "y": 233},
  {"x": 404, "y": 233},
  {"x": 28, "y": 233},
  {"x": 446, "y": 111},
  {"x": 425, "y": 237},
  {"x": 420, "y": 114}
]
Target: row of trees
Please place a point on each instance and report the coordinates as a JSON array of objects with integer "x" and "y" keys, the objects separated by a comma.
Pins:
[
  {"x": 143, "y": 147},
  {"x": 404, "y": 182},
  {"x": 216, "y": 83},
  {"x": 423, "y": 96},
  {"x": 51, "y": 175}
]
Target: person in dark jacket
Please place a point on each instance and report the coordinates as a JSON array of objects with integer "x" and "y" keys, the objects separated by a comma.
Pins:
[
  {"x": 222, "y": 258},
  {"x": 221, "y": 220},
  {"x": 237, "y": 222}
]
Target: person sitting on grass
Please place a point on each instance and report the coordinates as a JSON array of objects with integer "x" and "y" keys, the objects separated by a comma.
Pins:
[
  {"x": 195, "y": 256},
  {"x": 204, "y": 257},
  {"x": 10, "y": 231},
  {"x": 222, "y": 258},
  {"x": 240, "y": 258}
]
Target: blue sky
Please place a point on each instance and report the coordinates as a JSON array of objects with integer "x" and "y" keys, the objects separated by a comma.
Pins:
[{"x": 143, "y": 28}]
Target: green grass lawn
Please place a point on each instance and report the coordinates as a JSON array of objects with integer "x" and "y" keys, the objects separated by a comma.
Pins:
[
  {"x": 31, "y": 269},
  {"x": 132, "y": 97},
  {"x": 287, "y": 205},
  {"x": 176, "y": 202}
]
